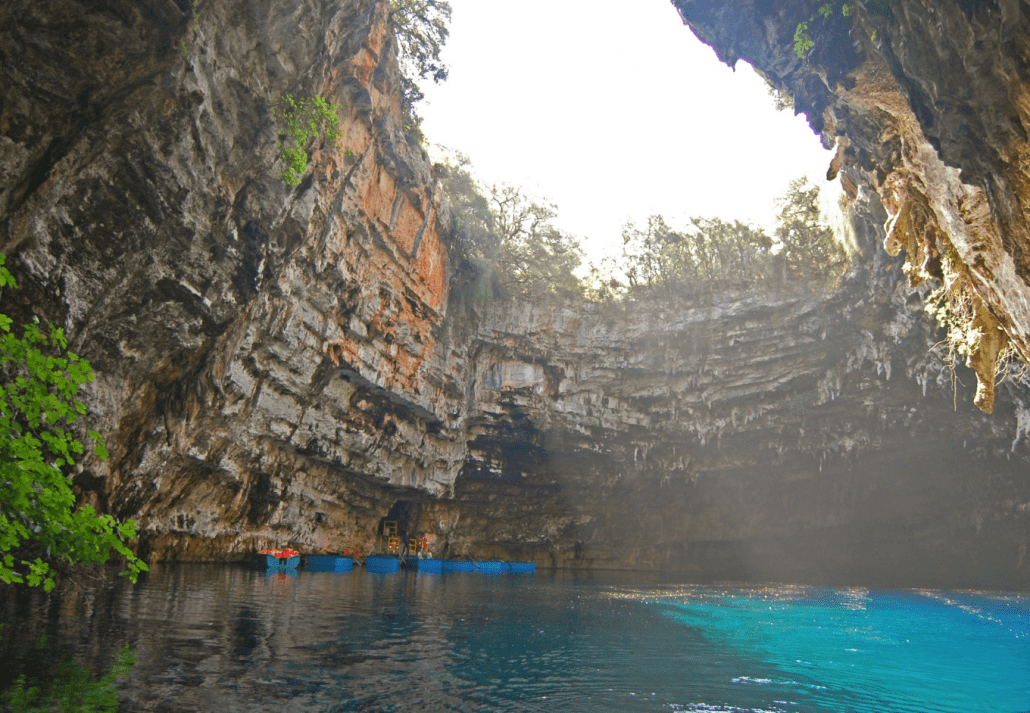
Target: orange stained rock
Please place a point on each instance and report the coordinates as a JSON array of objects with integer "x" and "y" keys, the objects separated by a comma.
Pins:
[
  {"x": 342, "y": 352},
  {"x": 405, "y": 224},
  {"x": 432, "y": 263},
  {"x": 377, "y": 37},
  {"x": 379, "y": 197},
  {"x": 365, "y": 64}
]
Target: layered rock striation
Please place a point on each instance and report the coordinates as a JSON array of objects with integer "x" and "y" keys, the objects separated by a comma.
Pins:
[
  {"x": 783, "y": 434},
  {"x": 248, "y": 338},
  {"x": 285, "y": 365},
  {"x": 927, "y": 102}
]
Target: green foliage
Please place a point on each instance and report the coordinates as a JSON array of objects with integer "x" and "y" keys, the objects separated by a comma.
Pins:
[
  {"x": 421, "y": 30},
  {"x": 803, "y": 42},
  {"x": 304, "y": 119},
  {"x": 71, "y": 690},
  {"x": 508, "y": 240},
  {"x": 808, "y": 248},
  {"x": 535, "y": 258},
  {"x": 472, "y": 237},
  {"x": 510, "y": 247},
  {"x": 601, "y": 284},
  {"x": 37, "y": 507},
  {"x": 710, "y": 254}
]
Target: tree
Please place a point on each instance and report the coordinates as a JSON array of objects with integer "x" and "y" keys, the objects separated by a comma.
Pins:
[
  {"x": 708, "y": 254},
  {"x": 473, "y": 235},
  {"x": 38, "y": 405},
  {"x": 809, "y": 249},
  {"x": 652, "y": 254},
  {"x": 302, "y": 120},
  {"x": 729, "y": 254},
  {"x": 535, "y": 257},
  {"x": 508, "y": 240},
  {"x": 421, "y": 30}
]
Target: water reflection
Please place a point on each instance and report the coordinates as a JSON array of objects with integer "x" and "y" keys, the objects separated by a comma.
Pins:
[{"x": 227, "y": 638}]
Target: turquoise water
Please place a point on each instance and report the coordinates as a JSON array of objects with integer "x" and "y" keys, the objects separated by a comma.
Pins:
[
  {"x": 858, "y": 650},
  {"x": 215, "y": 638}
]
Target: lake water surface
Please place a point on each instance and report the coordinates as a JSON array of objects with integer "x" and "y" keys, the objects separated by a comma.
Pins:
[{"x": 225, "y": 638}]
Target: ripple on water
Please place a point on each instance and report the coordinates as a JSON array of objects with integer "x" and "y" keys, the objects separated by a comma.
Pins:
[{"x": 225, "y": 638}]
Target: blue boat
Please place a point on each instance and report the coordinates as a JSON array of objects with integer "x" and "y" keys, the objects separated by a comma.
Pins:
[
  {"x": 329, "y": 563},
  {"x": 489, "y": 566},
  {"x": 458, "y": 566},
  {"x": 423, "y": 564},
  {"x": 429, "y": 565},
  {"x": 381, "y": 564},
  {"x": 271, "y": 561}
]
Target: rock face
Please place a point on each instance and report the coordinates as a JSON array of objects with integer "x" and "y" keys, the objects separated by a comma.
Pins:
[
  {"x": 291, "y": 366},
  {"x": 787, "y": 435},
  {"x": 250, "y": 340},
  {"x": 928, "y": 102}
]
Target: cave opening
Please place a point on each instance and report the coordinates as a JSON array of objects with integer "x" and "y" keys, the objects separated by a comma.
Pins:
[
  {"x": 405, "y": 515},
  {"x": 615, "y": 114}
]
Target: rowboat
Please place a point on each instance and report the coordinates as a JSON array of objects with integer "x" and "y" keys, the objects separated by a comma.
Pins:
[
  {"x": 284, "y": 558},
  {"x": 489, "y": 566},
  {"x": 382, "y": 564},
  {"x": 459, "y": 566},
  {"x": 329, "y": 563},
  {"x": 424, "y": 564}
]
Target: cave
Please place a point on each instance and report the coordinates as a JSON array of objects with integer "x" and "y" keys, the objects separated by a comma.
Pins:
[{"x": 283, "y": 364}]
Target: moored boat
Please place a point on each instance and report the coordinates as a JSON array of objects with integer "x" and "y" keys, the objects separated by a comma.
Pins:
[
  {"x": 458, "y": 566},
  {"x": 489, "y": 566},
  {"x": 329, "y": 563},
  {"x": 382, "y": 564},
  {"x": 432, "y": 566},
  {"x": 284, "y": 558}
]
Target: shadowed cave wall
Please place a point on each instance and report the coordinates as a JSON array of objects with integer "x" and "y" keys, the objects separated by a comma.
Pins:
[{"x": 285, "y": 365}]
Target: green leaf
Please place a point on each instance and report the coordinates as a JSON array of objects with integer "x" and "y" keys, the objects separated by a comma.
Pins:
[
  {"x": 37, "y": 451},
  {"x": 6, "y": 278},
  {"x": 802, "y": 41}
]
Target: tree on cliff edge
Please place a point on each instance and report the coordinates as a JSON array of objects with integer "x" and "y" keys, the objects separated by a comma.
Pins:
[
  {"x": 38, "y": 518},
  {"x": 809, "y": 249},
  {"x": 421, "y": 30},
  {"x": 508, "y": 239}
]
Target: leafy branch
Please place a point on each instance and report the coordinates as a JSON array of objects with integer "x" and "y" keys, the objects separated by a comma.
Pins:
[
  {"x": 421, "y": 30},
  {"x": 38, "y": 405},
  {"x": 803, "y": 42},
  {"x": 304, "y": 119}
]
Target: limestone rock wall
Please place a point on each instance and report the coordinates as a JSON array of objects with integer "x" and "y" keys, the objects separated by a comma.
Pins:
[
  {"x": 927, "y": 101},
  {"x": 789, "y": 435},
  {"x": 269, "y": 359},
  {"x": 292, "y": 365}
]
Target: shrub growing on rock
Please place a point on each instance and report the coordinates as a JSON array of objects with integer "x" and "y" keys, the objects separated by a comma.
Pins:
[{"x": 38, "y": 406}]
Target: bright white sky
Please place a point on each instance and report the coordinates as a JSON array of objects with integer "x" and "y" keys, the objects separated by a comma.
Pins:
[{"x": 614, "y": 111}]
